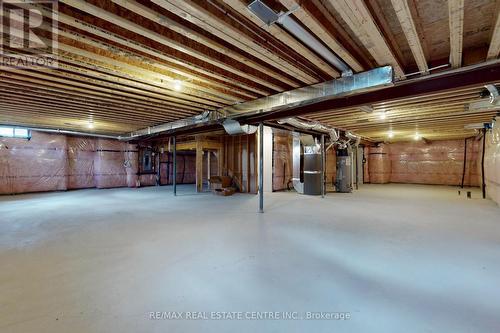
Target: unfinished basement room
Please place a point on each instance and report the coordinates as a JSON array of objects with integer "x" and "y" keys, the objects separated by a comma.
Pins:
[{"x": 249, "y": 166}]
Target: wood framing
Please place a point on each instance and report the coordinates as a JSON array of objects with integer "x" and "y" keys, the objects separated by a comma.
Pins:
[
  {"x": 456, "y": 17},
  {"x": 359, "y": 19},
  {"x": 408, "y": 25}
]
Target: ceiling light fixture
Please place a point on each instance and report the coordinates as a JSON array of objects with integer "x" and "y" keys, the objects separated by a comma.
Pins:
[
  {"x": 390, "y": 134},
  {"x": 417, "y": 136},
  {"x": 383, "y": 115},
  {"x": 177, "y": 85},
  {"x": 90, "y": 124}
]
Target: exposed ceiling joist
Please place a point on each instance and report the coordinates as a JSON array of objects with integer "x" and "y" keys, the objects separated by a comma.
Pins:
[
  {"x": 187, "y": 32},
  {"x": 358, "y": 17},
  {"x": 115, "y": 19},
  {"x": 195, "y": 13},
  {"x": 456, "y": 21},
  {"x": 494, "y": 49},
  {"x": 183, "y": 70},
  {"x": 406, "y": 20}
]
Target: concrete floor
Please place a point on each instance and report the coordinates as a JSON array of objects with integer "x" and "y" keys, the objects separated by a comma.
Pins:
[{"x": 397, "y": 258}]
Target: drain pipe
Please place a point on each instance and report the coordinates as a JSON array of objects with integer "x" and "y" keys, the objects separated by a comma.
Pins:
[
  {"x": 483, "y": 183},
  {"x": 261, "y": 168}
]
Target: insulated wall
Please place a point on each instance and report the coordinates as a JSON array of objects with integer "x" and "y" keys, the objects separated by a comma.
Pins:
[
  {"x": 115, "y": 164},
  {"x": 492, "y": 164},
  {"x": 55, "y": 162},
  {"x": 39, "y": 164},
  {"x": 81, "y": 154},
  {"x": 379, "y": 164},
  {"x": 437, "y": 162}
]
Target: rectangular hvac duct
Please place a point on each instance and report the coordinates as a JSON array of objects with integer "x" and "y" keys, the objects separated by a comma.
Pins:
[{"x": 356, "y": 83}]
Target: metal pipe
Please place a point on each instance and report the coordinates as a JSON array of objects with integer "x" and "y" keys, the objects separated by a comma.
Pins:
[
  {"x": 204, "y": 117},
  {"x": 428, "y": 71},
  {"x": 483, "y": 183},
  {"x": 261, "y": 168},
  {"x": 59, "y": 131},
  {"x": 356, "y": 156},
  {"x": 323, "y": 164},
  {"x": 465, "y": 163},
  {"x": 174, "y": 181},
  {"x": 312, "y": 125}
]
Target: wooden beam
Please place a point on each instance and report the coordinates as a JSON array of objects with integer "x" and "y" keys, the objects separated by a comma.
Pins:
[
  {"x": 60, "y": 79},
  {"x": 195, "y": 13},
  {"x": 182, "y": 69},
  {"x": 187, "y": 32},
  {"x": 41, "y": 87},
  {"x": 136, "y": 28},
  {"x": 494, "y": 49},
  {"x": 456, "y": 22},
  {"x": 359, "y": 19},
  {"x": 409, "y": 29}
]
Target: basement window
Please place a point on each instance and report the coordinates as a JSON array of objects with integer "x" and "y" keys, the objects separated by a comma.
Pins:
[{"x": 15, "y": 132}]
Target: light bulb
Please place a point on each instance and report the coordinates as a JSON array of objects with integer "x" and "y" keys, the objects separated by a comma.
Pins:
[
  {"x": 390, "y": 134},
  {"x": 417, "y": 136},
  {"x": 177, "y": 85},
  {"x": 383, "y": 115},
  {"x": 90, "y": 125}
]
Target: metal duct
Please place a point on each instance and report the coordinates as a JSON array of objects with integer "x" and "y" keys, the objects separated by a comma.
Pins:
[
  {"x": 494, "y": 94},
  {"x": 269, "y": 17},
  {"x": 311, "y": 125},
  {"x": 201, "y": 118},
  {"x": 234, "y": 127},
  {"x": 357, "y": 83},
  {"x": 356, "y": 139},
  {"x": 492, "y": 103}
]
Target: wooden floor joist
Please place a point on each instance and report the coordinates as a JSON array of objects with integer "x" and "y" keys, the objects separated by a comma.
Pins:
[
  {"x": 494, "y": 48},
  {"x": 456, "y": 17},
  {"x": 134, "y": 64},
  {"x": 408, "y": 25},
  {"x": 358, "y": 17},
  {"x": 195, "y": 13}
]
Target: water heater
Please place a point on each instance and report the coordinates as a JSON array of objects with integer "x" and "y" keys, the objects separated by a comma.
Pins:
[{"x": 343, "y": 182}]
